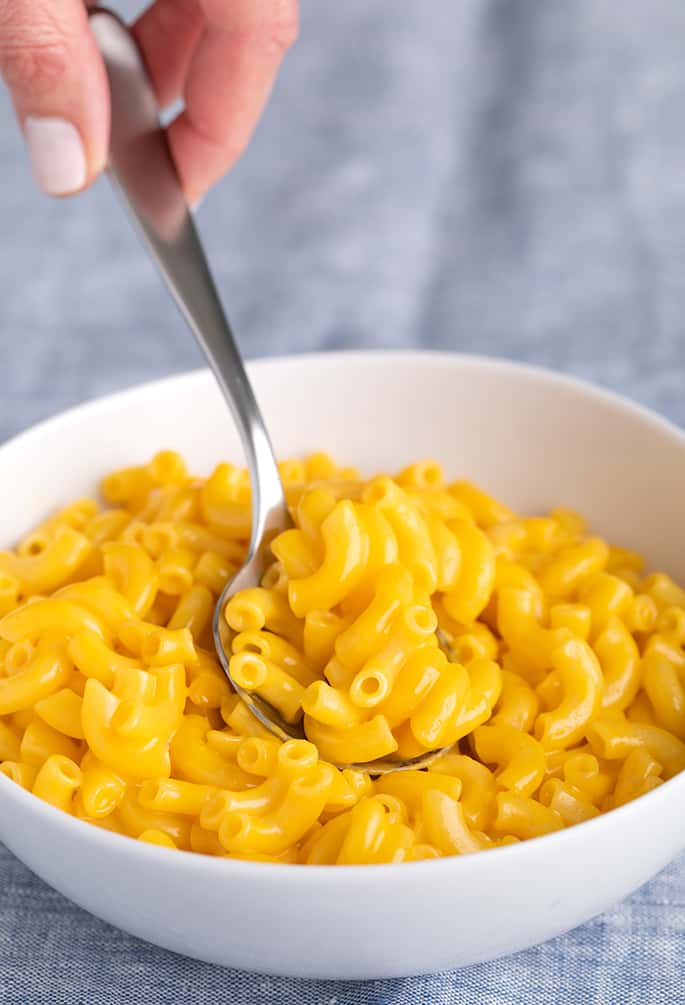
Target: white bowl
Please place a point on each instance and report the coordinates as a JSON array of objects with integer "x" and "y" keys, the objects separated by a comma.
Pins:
[{"x": 533, "y": 438}]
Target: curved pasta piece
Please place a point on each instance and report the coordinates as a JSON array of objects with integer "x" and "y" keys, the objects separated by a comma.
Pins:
[
  {"x": 411, "y": 786},
  {"x": 146, "y": 758},
  {"x": 612, "y": 736},
  {"x": 19, "y": 772},
  {"x": 664, "y": 688},
  {"x": 56, "y": 563},
  {"x": 213, "y": 571},
  {"x": 278, "y": 651},
  {"x": 468, "y": 598},
  {"x": 57, "y": 782},
  {"x": 619, "y": 659},
  {"x": 321, "y": 629},
  {"x": 323, "y": 845},
  {"x": 159, "y": 712},
  {"x": 638, "y": 775},
  {"x": 412, "y": 628},
  {"x": 75, "y": 515},
  {"x": 383, "y": 550},
  {"x": 607, "y": 597},
  {"x": 133, "y": 573},
  {"x": 94, "y": 658},
  {"x": 157, "y": 837},
  {"x": 175, "y": 571},
  {"x": 426, "y": 474},
  {"x": 313, "y": 506},
  {"x": 582, "y": 686},
  {"x": 9, "y": 743},
  {"x": 572, "y": 567},
  {"x": 40, "y": 741},
  {"x": 472, "y": 642},
  {"x": 47, "y": 672},
  {"x": 485, "y": 509},
  {"x": 259, "y": 608},
  {"x": 438, "y": 503},
  {"x": 348, "y": 788},
  {"x": 519, "y": 627},
  {"x": 62, "y": 711},
  {"x": 479, "y": 788},
  {"x": 296, "y": 552},
  {"x": 367, "y": 633},
  {"x": 55, "y": 617},
  {"x": 577, "y": 618},
  {"x": 519, "y": 757},
  {"x": 364, "y": 833},
  {"x": 194, "y": 611},
  {"x": 10, "y": 588},
  {"x": 199, "y": 538},
  {"x": 275, "y": 685},
  {"x": 510, "y": 573},
  {"x": 136, "y": 819},
  {"x": 331, "y": 706},
  {"x": 641, "y": 613},
  {"x": 525, "y": 817},
  {"x": 663, "y": 591},
  {"x": 225, "y": 502},
  {"x": 413, "y": 683},
  {"x": 208, "y": 686},
  {"x": 346, "y": 550},
  {"x": 582, "y": 771},
  {"x": 484, "y": 685},
  {"x": 99, "y": 596},
  {"x": 169, "y": 795},
  {"x": 102, "y": 789},
  {"x": 128, "y": 735},
  {"x": 163, "y": 646},
  {"x": 517, "y": 705},
  {"x": 194, "y": 759},
  {"x": 415, "y": 547},
  {"x": 275, "y": 831},
  {"x": 294, "y": 759},
  {"x": 366, "y": 741},
  {"x": 568, "y": 801},
  {"x": 433, "y": 716},
  {"x": 446, "y": 827}
]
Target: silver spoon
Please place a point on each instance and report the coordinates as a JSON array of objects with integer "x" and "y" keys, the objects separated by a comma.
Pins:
[{"x": 143, "y": 172}]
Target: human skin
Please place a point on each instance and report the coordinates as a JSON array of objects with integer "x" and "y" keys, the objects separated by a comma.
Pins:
[{"x": 220, "y": 56}]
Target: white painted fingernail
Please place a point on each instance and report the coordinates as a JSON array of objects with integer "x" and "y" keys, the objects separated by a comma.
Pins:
[{"x": 57, "y": 155}]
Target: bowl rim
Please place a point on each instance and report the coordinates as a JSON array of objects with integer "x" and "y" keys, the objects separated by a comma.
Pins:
[
  {"x": 375, "y": 357},
  {"x": 193, "y": 861}
]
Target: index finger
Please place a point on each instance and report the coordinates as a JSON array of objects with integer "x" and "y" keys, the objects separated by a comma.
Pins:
[{"x": 229, "y": 80}]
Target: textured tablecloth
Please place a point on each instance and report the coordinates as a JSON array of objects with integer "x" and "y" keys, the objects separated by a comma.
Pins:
[{"x": 497, "y": 177}]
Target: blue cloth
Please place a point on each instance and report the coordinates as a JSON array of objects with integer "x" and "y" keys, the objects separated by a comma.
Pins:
[
  {"x": 52, "y": 953},
  {"x": 495, "y": 176}
]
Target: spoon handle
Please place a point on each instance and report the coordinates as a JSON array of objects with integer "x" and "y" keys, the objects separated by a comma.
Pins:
[{"x": 143, "y": 172}]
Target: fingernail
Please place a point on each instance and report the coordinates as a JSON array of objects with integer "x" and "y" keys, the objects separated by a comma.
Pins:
[{"x": 57, "y": 155}]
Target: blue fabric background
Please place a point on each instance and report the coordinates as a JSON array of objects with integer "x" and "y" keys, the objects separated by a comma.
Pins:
[{"x": 496, "y": 176}]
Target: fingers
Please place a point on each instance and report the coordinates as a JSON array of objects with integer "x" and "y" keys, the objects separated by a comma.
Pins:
[
  {"x": 229, "y": 79},
  {"x": 53, "y": 69},
  {"x": 168, "y": 33}
]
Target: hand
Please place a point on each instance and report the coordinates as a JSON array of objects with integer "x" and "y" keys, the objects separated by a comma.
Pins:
[{"x": 220, "y": 56}]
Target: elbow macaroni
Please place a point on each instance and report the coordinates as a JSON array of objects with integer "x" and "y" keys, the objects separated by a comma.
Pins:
[{"x": 562, "y": 697}]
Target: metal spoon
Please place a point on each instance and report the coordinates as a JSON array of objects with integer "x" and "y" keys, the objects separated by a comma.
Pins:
[{"x": 143, "y": 172}]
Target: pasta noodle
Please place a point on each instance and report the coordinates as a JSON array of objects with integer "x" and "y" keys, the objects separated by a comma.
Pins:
[{"x": 399, "y": 615}]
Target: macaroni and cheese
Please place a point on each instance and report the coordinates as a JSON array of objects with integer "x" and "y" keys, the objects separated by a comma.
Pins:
[{"x": 399, "y": 615}]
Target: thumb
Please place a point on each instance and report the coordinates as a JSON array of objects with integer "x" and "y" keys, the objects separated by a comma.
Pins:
[{"x": 57, "y": 79}]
